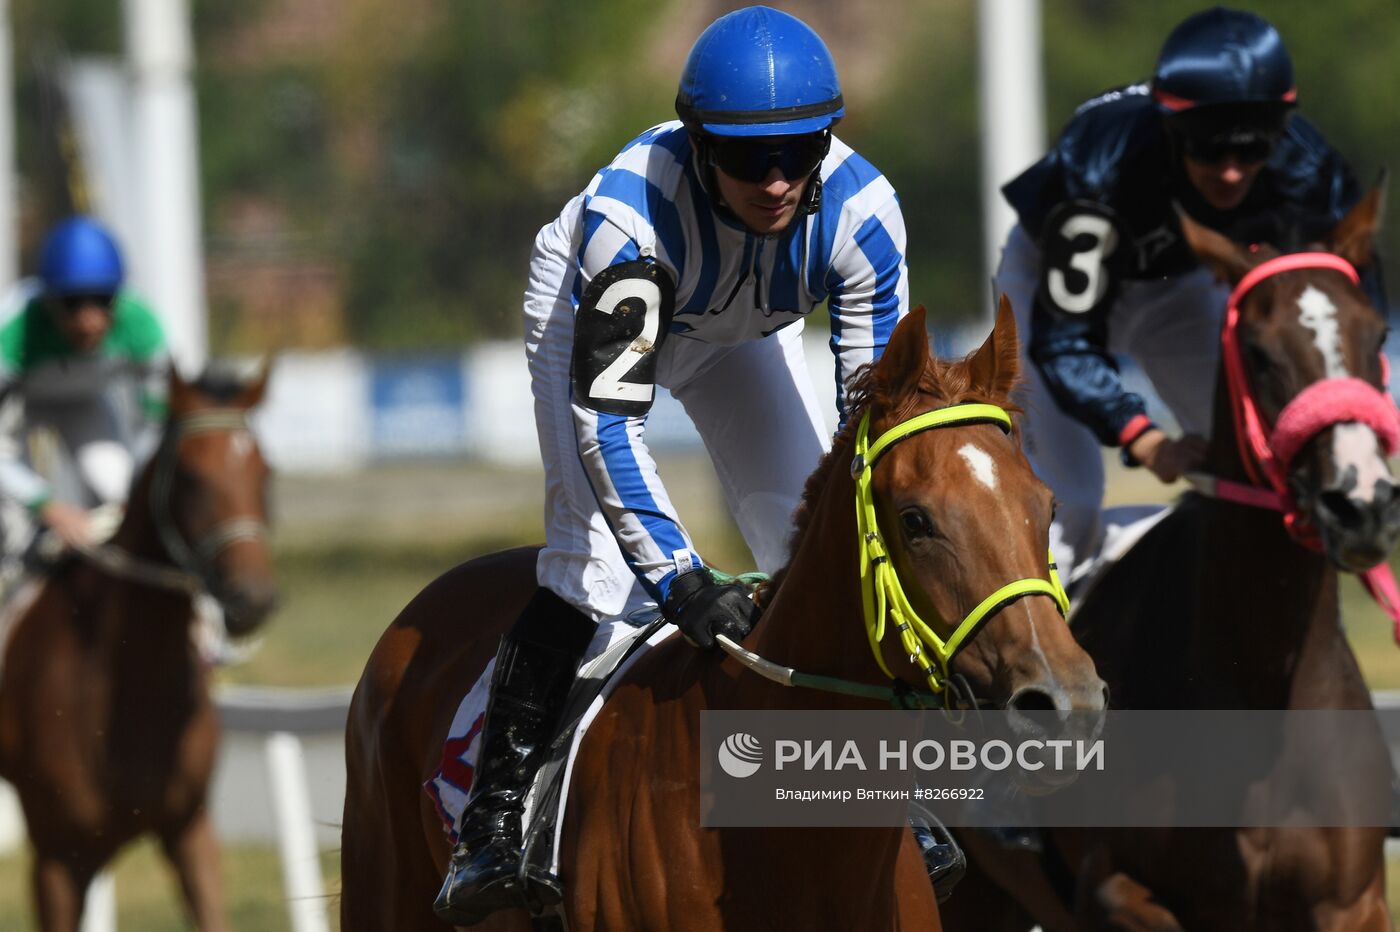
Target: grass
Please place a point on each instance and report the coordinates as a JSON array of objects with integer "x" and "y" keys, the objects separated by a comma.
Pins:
[
  {"x": 345, "y": 580},
  {"x": 148, "y": 896},
  {"x": 339, "y": 600}
]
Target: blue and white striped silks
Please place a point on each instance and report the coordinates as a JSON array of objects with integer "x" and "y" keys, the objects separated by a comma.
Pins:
[{"x": 732, "y": 286}]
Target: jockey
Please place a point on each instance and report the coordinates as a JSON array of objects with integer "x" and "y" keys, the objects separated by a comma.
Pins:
[
  {"x": 1097, "y": 264},
  {"x": 689, "y": 262},
  {"x": 82, "y": 356}
]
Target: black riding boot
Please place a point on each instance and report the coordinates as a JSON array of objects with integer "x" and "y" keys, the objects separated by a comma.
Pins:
[
  {"x": 529, "y": 687},
  {"x": 943, "y": 857}
]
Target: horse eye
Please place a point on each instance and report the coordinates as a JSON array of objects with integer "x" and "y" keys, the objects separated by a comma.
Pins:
[
  {"x": 1258, "y": 359},
  {"x": 916, "y": 523}
]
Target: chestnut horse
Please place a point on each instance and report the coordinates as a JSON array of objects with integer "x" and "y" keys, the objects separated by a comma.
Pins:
[
  {"x": 106, "y": 725},
  {"x": 1219, "y": 606},
  {"x": 964, "y": 515}
]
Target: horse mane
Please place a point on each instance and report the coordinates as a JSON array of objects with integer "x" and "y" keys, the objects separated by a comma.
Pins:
[{"x": 943, "y": 383}]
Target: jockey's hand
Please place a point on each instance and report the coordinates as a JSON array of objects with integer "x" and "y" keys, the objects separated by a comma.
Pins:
[
  {"x": 703, "y": 608},
  {"x": 69, "y": 523},
  {"x": 1166, "y": 458}
]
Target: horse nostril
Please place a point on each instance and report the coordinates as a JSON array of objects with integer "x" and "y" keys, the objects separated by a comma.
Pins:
[
  {"x": 1031, "y": 699},
  {"x": 1383, "y": 493},
  {"x": 1342, "y": 510}
]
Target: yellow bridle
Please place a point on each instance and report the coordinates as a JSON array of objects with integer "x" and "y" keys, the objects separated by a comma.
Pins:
[{"x": 881, "y": 592}]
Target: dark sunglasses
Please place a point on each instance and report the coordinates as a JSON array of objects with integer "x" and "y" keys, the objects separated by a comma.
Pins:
[
  {"x": 1246, "y": 148},
  {"x": 73, "y": 303},
  {"x": 751, "y": 160}
]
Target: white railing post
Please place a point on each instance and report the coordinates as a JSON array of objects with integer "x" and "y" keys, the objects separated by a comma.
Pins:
[
  {"x": 168, "y": 260},
  {"x": 296, "y": 833},
  {"x": 1011, "y": 98},
  {"x": 9, "y": 204}
]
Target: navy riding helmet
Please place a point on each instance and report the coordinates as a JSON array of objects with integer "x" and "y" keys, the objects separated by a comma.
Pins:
[
  {"x": 80, "y": 257},
  {"x": 1222, "y": 71},
  {"x": 754, "y": 78}
]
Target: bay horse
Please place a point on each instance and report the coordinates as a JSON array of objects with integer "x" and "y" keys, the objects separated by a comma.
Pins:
[
  {"x": 964, "y": 515},
  {"x": 1220, "y": 606},
  {"x": 107, "y": 729}
]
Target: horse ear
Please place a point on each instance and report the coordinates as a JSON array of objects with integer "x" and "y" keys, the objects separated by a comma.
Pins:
[
  {"x": 252, "y": 396},
  {"x": 996, "y": 366},
  {"x": 179, "y": 389},
  {"x": 906, "y": 356},
  {"x": 1222, "y": 255},
  {"x": 1352, "y": 238}
]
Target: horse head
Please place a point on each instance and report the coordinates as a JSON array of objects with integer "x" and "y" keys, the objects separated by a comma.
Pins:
[
  {"x": 208, "y": 495},
  {"x": 1306, "y": 341},
  {"x": 966, "y": 523}
]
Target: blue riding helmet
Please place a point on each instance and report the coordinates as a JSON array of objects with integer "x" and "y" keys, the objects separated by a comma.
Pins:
[
  {"x": 759, "y": 72},
  {"x": 80, "y": 257},
  {"x": 1224, "y": 57}
]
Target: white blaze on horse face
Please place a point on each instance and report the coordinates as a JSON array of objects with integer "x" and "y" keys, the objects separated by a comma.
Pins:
[
  {"x": 981, "y": 465},
  {"x": 1317, "y": 312},
  {"x": 1035, "y": 640},
  {"x": 1355, "y": 447}
]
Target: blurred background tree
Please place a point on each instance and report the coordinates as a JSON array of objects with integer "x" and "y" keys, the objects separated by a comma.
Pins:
[{"x": 374, "y": 173}]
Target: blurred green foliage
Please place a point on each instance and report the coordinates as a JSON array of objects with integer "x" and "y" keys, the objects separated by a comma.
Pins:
[{"x": 420, "y": 147}]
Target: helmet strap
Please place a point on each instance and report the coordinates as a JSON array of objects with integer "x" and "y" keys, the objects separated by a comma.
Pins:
[
  {"x": 811, "y": 198},
  {"x": 705, "y": 173}
]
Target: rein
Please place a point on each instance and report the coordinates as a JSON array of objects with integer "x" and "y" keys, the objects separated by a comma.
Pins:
[
  {"x": 190, "y": 573},
  {"x": 1267, "y": 454}
]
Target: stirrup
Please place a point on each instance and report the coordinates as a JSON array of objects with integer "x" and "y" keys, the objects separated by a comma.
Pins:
[
  {"x": 465, "y": 901},
  {"x": 943, "y": 857},
  {"x": 539, "y": 888},
  {"x": 519, "y": 886}
]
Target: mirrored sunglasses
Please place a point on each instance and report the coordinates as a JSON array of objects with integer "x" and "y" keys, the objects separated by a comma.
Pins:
[
  {"x": 1246, "y": 148},
  {"x": 751, "y": 160}
]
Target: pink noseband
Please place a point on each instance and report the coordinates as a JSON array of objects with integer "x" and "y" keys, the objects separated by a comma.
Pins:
[{"x": 1329, "y": 402}]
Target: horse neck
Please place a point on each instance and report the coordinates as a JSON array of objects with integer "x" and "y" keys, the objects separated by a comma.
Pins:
[
  {"x": 1223, "y": 454},
  {"x": 815, "y": 624},
  {"x": 1266, "y": 598},
  {"x": 138, "y": 536}
]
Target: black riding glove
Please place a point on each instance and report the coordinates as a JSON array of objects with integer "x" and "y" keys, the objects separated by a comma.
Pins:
[{"x": 703, "y": 608}]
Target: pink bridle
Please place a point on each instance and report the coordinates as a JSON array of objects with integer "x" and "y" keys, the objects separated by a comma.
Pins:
[{"x": 1268, "y": 454}]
